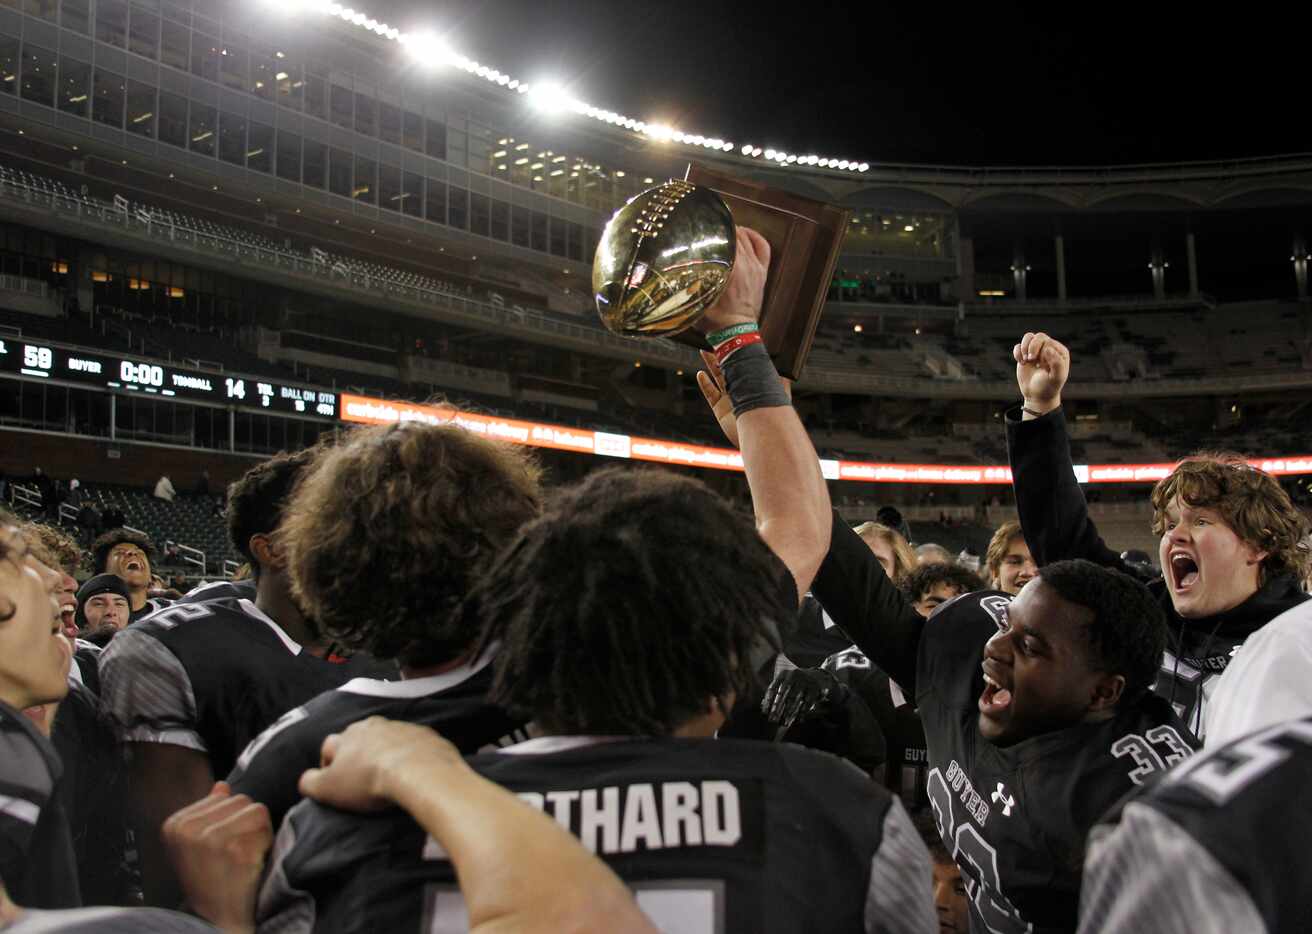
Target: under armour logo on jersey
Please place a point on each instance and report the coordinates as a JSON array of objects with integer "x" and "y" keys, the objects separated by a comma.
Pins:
[{"x": 1007, "y": 801}]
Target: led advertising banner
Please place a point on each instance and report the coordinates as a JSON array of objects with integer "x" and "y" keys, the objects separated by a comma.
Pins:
[{"x": 365, "y": 410}]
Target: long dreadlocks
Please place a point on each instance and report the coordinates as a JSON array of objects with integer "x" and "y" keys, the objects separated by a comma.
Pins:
[{"x": 631, "y": 602}]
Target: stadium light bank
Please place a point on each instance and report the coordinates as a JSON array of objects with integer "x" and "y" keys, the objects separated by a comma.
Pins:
[{"x": 432, "y": 50}]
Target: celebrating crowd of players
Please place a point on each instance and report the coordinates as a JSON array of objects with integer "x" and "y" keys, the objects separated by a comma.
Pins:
[{"x": 447, "y": 699}]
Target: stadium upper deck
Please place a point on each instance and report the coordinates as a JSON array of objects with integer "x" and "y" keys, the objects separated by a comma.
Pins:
[{"x": 310, "y": 120}]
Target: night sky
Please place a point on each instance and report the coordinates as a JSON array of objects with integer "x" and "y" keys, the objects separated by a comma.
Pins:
[{"x": 999, "y": 84}]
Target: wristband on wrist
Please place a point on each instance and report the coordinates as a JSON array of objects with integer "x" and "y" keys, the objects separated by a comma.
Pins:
[
  {"x": 1032, "y": 413},
  {"x": 751, "y": 380},
  {"x": 726, "y": 349},
  {"x": 716, "y": 338}
]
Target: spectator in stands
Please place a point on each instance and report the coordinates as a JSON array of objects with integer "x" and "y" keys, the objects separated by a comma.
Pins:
[
  {"x": 202, "y": 487},
  {"x": 88, "y": 523},
  {"x": 103, "y": 608},
  {"x": 112, "y": 518},
  {"x": 129, "y": 554},
  {"x": 1008, "y": 561},
  {"x": 890, "y": 547},
  {"x": 164, "y": 489},
  {"x": 931, "y": 553},
  {"x": 172, "y": 556},
  {"x": 49, "y": 496},
  {"x": 75, "y": 495},
  {"x": 453, "y": 500},
  {"x": 1231, "y": 542}
]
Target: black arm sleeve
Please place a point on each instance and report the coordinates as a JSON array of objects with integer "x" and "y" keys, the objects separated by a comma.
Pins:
[
  {"x": 859, "y": 597},
  {"x": 1053, "y": 514}
]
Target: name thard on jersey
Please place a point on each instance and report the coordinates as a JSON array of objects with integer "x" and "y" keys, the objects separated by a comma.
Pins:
[
  {"x": 976, "y": 806},
  {"x": 645, "y": 816}
]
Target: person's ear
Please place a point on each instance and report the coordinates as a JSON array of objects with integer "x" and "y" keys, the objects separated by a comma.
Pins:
[
  {"x": 1106, "y": 693},
  {"x": 266, "y": 552}
]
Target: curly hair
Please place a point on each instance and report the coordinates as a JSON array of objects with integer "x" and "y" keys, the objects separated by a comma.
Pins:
[
  {"x": 1249, "y": 501},
  {"x": 53, "y": 547},
  {"x": 13, "y": 545},
  {"x": 256, "y": 500},
  {"x": 1002, "y": 538},
  {"x": 387, "y": 532},
  {"x": 637, "y": 597},
  {"x": 1128, "y": 632},
  {"x": 102, "y": 546},
  {"x": 916, "y": 585},
  {"x": 904, "y": 558}
]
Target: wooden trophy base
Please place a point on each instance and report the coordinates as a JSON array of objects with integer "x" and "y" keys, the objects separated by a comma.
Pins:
[{"x": 805, "y": 237}]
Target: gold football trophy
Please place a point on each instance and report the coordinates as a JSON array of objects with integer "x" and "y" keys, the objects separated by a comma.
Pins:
[{"x": 667, "y": 254}]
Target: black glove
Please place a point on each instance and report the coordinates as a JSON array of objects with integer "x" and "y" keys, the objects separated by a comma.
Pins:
[{"x": 800, "y": 693}]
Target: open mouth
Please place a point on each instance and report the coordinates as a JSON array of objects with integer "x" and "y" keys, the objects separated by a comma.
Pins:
[
  {"x": 1184, "y": 569},
  {"x": 995, "y": 698},
  {"x": 66, "y": 613}
]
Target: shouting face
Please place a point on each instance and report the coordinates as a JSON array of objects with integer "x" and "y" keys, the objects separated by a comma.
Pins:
[
  {"x": 1039, "y": 674},
  {"x": 1208, "y": 568},
  {"x": 130, "y": 563},
  {"x": 34, "y": 654}
]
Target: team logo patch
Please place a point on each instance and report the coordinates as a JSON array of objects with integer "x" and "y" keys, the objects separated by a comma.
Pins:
[{"x": 1001, "y": 797}]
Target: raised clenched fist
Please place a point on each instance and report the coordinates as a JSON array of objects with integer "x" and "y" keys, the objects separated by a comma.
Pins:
[{"x": 1043, "y": 365}]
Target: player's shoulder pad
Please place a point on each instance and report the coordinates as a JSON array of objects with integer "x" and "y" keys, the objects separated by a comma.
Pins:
[{"x": 992, "y": 603}]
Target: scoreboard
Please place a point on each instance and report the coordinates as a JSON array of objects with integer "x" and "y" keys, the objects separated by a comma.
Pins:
[{"x": 134, "y": 375}]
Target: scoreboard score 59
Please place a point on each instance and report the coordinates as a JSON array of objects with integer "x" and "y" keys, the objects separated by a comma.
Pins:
[{"x": 126, "y": 374}]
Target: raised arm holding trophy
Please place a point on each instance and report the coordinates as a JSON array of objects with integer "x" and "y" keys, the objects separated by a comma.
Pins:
[{"x": 666, "y": 256}]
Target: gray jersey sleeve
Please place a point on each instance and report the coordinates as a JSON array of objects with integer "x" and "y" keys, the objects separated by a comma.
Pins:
[
  {"x": 1147, "y": 874},
  {"x": 900, "y": 898},
  {"x": 281, "y": 908},
  {"x": 109, "y": 921},
  {"x": 147, "y": 692}
]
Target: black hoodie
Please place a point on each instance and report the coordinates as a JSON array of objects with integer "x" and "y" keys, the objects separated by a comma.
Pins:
[{"x": 1057, "y": 526}]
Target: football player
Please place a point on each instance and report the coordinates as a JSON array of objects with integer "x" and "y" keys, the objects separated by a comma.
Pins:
[
  {"x": 37, "y": 865},
  {"x": 1218, "y": 845},
  {"x": 191, "y": 685},
  {"x": 452, "y": 500},
  {"x": 1038, "y": 716}
]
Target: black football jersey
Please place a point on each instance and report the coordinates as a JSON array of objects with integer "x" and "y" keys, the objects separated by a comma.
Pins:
[
  {"x": 1014, "y": 818},
  {"x": 93, "y": 790},
  {"x": 454, "y": 703},
  {"x": 36, "y": 851},
  {"x": 153, "y": 605},
  {"x": 221, "y": 590},
  {"x": 815, "y": 636},
  {"x": 906, "y": 765},
  {"x": 1218, "y": 845},
  {"x": 712, "y": 836},
  {"x": 211, "y": 676},
  {"x": 109, "y": 921}
]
